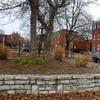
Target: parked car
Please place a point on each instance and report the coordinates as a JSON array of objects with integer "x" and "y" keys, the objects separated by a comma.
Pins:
[
  {"x": 25, "y": 50},
  {"x": 96, "y": 57}
]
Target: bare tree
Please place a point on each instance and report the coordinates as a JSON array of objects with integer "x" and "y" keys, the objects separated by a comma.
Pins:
[
  {"x": 48, "y": 11},
  {"x": 45, "y": 16},
  {"x": 18, "y": 8},
  {"x": 76, "y": 19}
]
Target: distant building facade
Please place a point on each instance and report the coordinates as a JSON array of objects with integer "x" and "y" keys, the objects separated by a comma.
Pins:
[
  {"x": 59, "y": 38},
  {"x": 3, "y": 39},
  {"x": 77, "y": 44},
  {"x": 96, "y": 36}
]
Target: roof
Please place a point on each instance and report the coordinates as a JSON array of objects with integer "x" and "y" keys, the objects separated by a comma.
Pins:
[
  {"x": 2, "y": 31},
  {"x": 57, "y": 33}
]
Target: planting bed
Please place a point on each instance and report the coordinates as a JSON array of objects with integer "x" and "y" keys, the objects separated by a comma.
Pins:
[
  {"x": 66, "y": 66},
  {"x": 50, "y": 67}
]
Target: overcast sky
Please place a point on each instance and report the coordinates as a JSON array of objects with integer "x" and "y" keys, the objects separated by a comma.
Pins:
[{"x": 93, "y": 9}]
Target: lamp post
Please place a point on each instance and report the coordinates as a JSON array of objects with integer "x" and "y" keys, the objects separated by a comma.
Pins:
[
  {"x": 19, "y": 48},
  {"x": 3, "y": 41}
]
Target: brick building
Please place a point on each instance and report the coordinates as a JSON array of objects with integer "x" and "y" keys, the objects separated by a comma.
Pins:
[
  {"x": 83, "y": 44},
  {"x": 59, "y": 38},
  {"x": 78, "y": 43},
  {"x": 96, "y": 36}
]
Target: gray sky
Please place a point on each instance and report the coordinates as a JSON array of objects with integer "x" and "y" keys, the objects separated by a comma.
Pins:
[
  {"x": 12, "y": 27},
  {"x": 93, "y": 9}
]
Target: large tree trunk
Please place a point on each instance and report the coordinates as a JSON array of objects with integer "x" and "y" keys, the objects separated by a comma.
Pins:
[
  {"x": 40, "y": 43},
  {"x": 34, "y": 8},
  {"x": 67, "y": 49},
  {"x": 47, "y": 44}
]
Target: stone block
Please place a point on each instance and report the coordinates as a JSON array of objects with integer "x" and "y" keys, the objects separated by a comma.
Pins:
[
  {"x": 11, "y": 92},
  {"x": 59, "y": 88},
  {"x": 21, "y": 77},
  {"x": 89, "y": 89},
  {"x": 50, "y": 78},
  {"x": 34, "y": 89},
  {"x": 15, "y": 87},
  {"x": 9, "y": 82},
  {"x": 96, "y": 89},
  {"x": 97, "y": 76},
  {"x": 73, "y": 81},
  {"x": 52, "y": 92},
  {"x": 82, "y": 80},
  {"x": 1, "y": 77},
  {"x": 83, "y": 76},
  {"x": 4, "y": 87},
  {"x": 28, "y": 87},
  {"x": 51, "y": 82},
  {"x": 64, "y": 77},
  {"x": 43, "y": 92},
  {"x": 20, "y": 91},
  {"x": 32, "y": 82},
  {"x": 66, "y": 91},
  {"x": 48, "y": 88},
  {"x": 63, "y": 82},
  {"x": 21, "y": 82},
  {"x": 97, "y": 84},
  {"x": 1, "y": 82},
  {"x": 66, "y": 88},
  {"x": 28, "y": 91},
  {"x": 40, "y": 82},
  {"x": 42, "y": 89},
  {"x": 9, "y": 77},
  {"x": 92, "y": 84}
]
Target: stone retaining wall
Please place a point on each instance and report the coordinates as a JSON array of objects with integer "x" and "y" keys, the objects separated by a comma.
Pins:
[{"x": 49, "y": 83}]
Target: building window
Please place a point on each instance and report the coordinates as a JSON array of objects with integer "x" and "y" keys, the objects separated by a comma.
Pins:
[
  {"x": 99, "y": 36},
  {"x": 94, "y": 26},
  {"x": 98, "y": 47},
  {"x": 94, "y": 37},
  {"x": 98, "y": 25},
  {"x": 93, "y": 48}
]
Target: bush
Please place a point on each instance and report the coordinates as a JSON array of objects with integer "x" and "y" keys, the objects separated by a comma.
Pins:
[
  {"x": 3, "y": 53},
  {"x": 28, "y": 61},
  {"x": 83, "y": 61},
  {"x": 58, "y": 53}
]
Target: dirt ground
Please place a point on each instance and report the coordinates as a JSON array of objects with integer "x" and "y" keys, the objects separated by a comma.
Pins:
[
  {"x": 71, "y": 96},
  {"x": 65, "y": 66},
  {"x": 50, "y": 67}
]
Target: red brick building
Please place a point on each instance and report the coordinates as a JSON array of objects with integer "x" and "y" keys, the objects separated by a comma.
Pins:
[
  {"x": 76, "y": 44},
  {"x": 84, "y": 45},
  {"x": 59, "y": 38},
  {"x": 96, "y": 36}
]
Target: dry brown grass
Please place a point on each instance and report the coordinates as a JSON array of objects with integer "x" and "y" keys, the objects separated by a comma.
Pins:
[
  {"x": 3, "y": 53},
  {"x": 83, "y": 61},
  {"x": 58, "y": 53}
]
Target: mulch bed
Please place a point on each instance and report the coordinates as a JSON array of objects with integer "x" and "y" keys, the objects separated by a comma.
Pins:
[
  {"x": 50, "y": 67},
  {"x": 71, "y": 96},
  {"x": 66, "y": 66}
]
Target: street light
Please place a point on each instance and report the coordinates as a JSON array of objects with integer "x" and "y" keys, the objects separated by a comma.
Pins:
[
  {"x": 3, "y": 41},
  {"x": 19, "y": 47}
]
